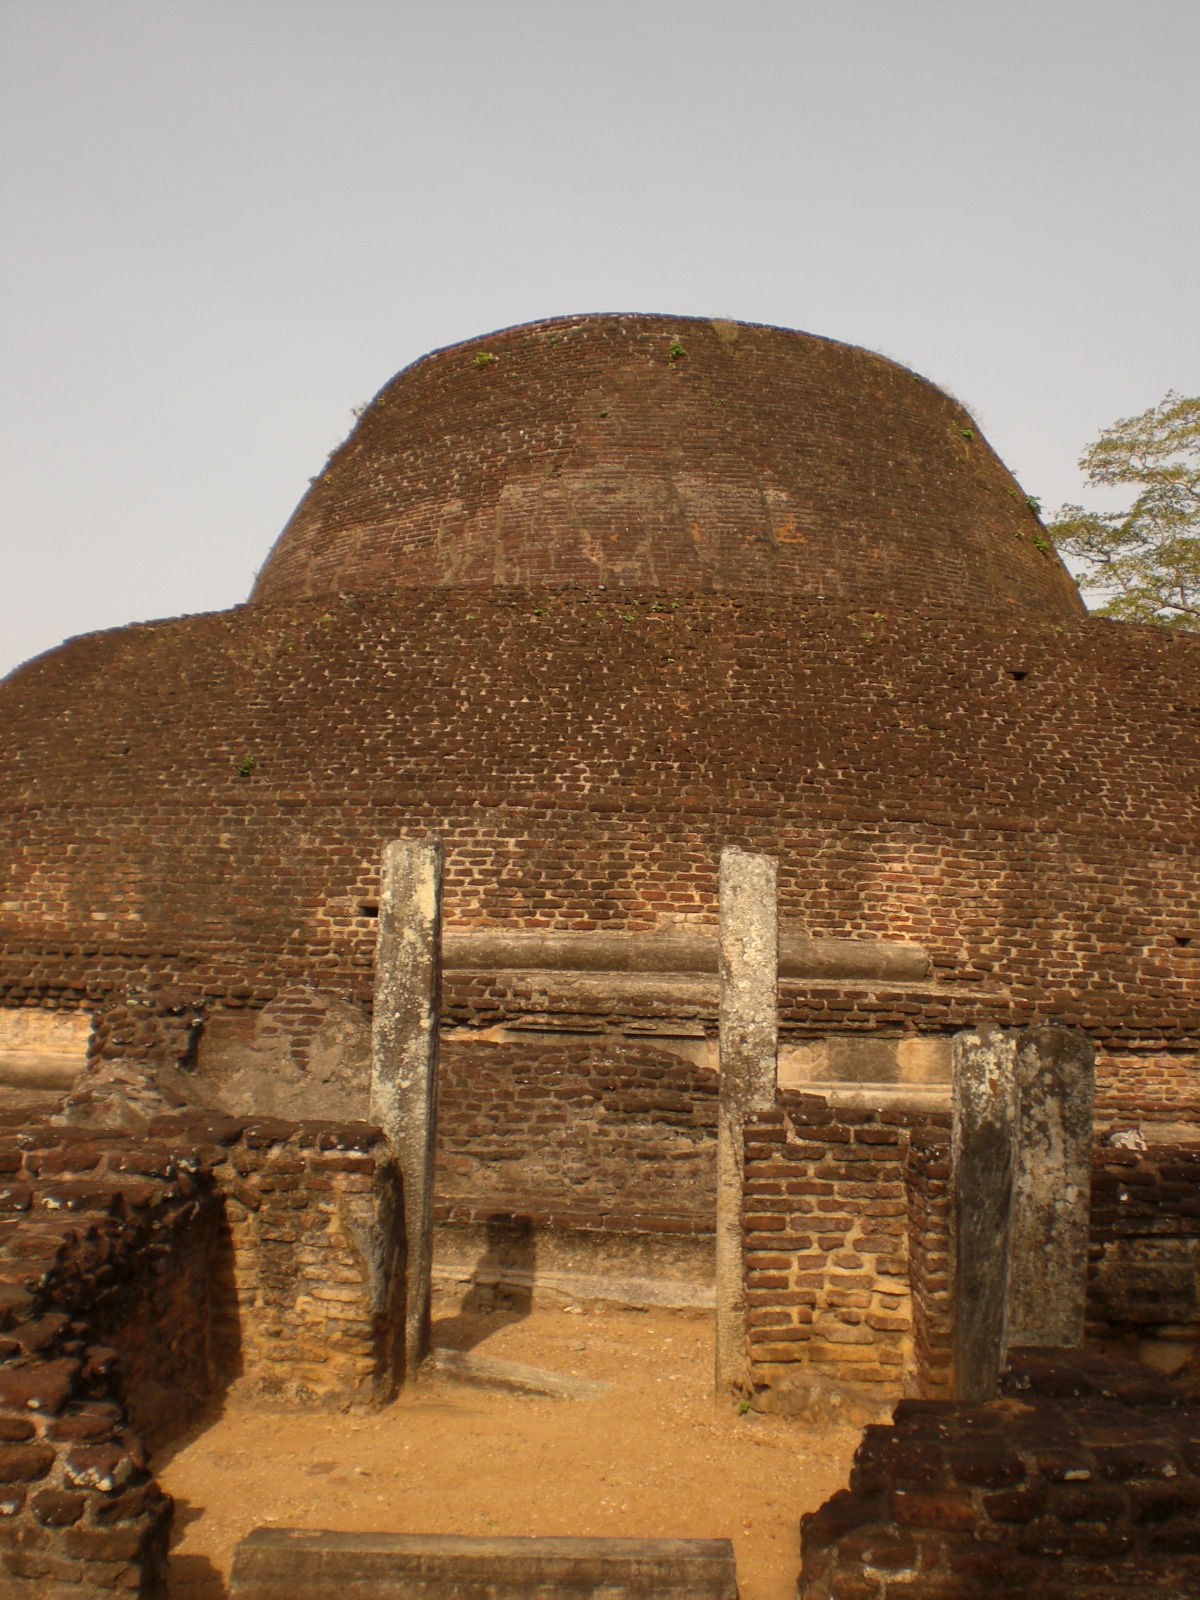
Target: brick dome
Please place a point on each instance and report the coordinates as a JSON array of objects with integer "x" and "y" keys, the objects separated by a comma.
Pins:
[{"x": 668, "y": 453}]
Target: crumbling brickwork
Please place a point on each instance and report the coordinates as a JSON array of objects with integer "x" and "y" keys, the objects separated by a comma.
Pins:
[
  {"x": 142, "y": 1276},
  {"x": 1084, "y": 1479}
]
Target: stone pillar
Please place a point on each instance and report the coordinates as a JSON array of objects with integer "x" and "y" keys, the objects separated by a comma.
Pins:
[
  {"x": 981, "y": 1166},
  {"x": 749, "y": 963},
  {"x": 1052, "y": 1186},
  {"x": 404, "y": 1055}
]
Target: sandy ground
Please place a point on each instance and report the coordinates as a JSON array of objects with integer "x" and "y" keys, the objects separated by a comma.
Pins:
[{"x": 654, "y": 1456}]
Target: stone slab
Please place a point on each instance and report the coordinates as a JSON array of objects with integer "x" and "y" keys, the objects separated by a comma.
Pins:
[
  {"x": 512, "y": 1377},
  {"x": 291, "y": 1564}
]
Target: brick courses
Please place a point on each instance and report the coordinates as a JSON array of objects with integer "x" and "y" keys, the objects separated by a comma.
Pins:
[
  {"x": 583, "y": 451},
  {"x": 848, "y": 1263},
  {"x": 584, "y": 770}
]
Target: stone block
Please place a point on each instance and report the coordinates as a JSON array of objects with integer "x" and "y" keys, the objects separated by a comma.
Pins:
[{"x": 287, "y": 1564}]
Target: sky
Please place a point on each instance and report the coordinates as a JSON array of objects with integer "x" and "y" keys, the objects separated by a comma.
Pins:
[{"x": 229, "y": 222}]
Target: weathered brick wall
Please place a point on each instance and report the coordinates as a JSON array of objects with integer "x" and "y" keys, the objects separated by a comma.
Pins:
[
  {"x": 910, "y": 784},
  {"x": 1083, "y": 1480},
  {"x": 310, "y": 1255},
  {"x": 140, "y": 1277},
  {"x": 588, "y": 1127},
  {"x": 1149, "y": 1085},
  {"x": 673, "y": 452},
  {"x": 826, "y": 1237}
]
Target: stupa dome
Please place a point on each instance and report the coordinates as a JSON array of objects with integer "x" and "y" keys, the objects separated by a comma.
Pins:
[{"x": 668, "y": 453}]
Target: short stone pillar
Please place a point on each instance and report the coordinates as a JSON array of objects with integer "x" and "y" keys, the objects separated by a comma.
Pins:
[
  {"x": 404, "y": 1057},
  {"x": 1021, "y": 1150},
  {"x": 749, "y": 1024},
  {"x": 981, "y": 1162},
  {"x": 1052, "y": 1186}
]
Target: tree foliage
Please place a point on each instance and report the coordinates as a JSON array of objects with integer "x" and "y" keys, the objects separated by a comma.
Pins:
[{"x": 1144, "y": 561}]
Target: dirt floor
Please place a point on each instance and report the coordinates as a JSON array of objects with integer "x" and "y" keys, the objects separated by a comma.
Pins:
[{"x": 653, "y": 1456}]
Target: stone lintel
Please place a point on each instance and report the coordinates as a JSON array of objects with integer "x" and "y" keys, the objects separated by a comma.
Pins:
[{"x": 688, "y": 951}]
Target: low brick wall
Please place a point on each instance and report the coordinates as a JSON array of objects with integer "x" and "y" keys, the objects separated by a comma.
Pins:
[
  {"x": 827, "y": 1243},
  {"x": 1144, "y": 1266},
  {"x": 849, "y": 1270},
  {"x": 95, "y": 1338},
  {"x": 1083, "y": 1480},
  {"x": 139, "y": 1278},
  {"x": 308, "y": 1270}
]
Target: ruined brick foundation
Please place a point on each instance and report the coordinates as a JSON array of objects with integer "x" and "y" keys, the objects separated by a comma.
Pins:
[
  {"x": 141, "y": 1278},
  {"x": 1083, "y": 1480}
]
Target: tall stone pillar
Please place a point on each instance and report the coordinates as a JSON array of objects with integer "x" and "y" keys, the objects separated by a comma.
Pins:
[
  {"x": 404, "y": 1056},
  {"x": 1052, "y": 1186},
  {"x": 749, "y": 967},
  {"x": 981, "y": 1164}
]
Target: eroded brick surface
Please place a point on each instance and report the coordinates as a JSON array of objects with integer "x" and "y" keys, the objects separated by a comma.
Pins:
[{"x": 1080, "y": 1481}]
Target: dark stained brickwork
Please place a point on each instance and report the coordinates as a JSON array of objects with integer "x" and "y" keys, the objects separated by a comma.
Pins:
[
  {"x": 139, "y": 1277},
  {"x": 673, "y": 453}
]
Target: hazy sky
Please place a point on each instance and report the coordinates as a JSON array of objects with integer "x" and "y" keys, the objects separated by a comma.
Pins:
[{"x": 229, "y": 222}]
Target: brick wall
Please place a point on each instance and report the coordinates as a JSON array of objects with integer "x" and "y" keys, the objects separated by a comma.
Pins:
[
  {"x": 849, "y": 1269},
  {"x": 910, "y": 784},
  {"x": 1144, "y": 1266},
  {"x": 140, "y": 1278},
  {"x": 827, "y": 1244},
  {"x": 930, "y": 1264},
  {"x": 1084, "y": 1479},
  {"x": 593, "y": 1128}
]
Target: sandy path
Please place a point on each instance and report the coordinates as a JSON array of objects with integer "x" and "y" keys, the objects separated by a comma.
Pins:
[{"x": 653, "y": 1456}]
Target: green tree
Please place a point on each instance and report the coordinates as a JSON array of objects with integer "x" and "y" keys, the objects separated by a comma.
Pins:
[{"x": 1144, "y": 561}]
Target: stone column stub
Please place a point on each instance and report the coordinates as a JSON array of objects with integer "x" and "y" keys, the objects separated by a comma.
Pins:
[
  {"x": 749, "y": 1027},
  {"x": 404, "y": 1057},
  {"x": 1055, "y": 1070},
  {"x": 981, "y": 1163}
]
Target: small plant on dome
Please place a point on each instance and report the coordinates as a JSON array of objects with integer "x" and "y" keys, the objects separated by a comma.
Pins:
[
  {"x": 485, "y": 358},
  {"x": 675, "y": 352}
]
